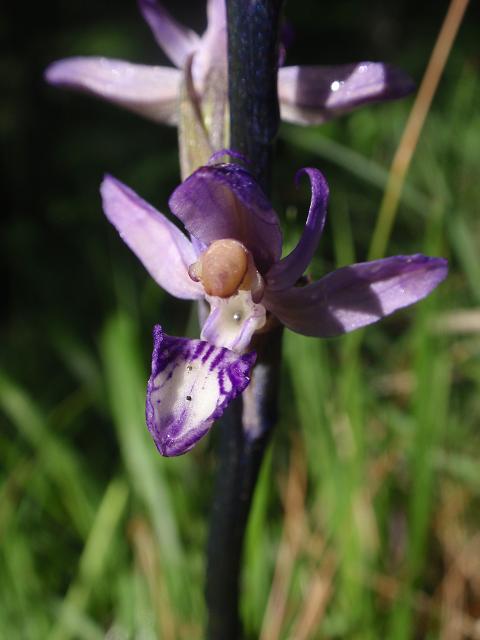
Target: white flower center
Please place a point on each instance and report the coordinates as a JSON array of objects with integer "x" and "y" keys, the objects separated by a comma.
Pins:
[{"x": 233, "y": 321}]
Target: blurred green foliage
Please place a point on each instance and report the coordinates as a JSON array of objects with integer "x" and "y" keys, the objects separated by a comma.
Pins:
[{"x": 366, "y": 515}]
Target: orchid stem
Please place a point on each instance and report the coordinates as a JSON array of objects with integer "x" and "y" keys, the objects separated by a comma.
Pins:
[
  {"x": 253, "y": 27},
  {"x": 240, "y": 457}
]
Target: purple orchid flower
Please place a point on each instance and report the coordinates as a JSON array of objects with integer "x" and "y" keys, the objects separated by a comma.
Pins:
[
  {"x": 307, "y": 94},
  {"x": 233, "y": 262}
]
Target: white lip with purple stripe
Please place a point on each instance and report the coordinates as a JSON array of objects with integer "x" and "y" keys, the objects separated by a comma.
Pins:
[{"x": 191, "y": 384}]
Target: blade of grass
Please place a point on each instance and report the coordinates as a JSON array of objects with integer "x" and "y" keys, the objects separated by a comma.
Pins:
[
  {"x": 257, "y": 552},
  {"x": 465, "y": 244},
  {"x": 126, "y": 384},
  {"x": 57, "y": 459},
  {"x": 146, "y": 555},
  {"x": 21, "y": 588},
  {"x": 430, "y": 415},
  {"x": 294, "y": 530},
  {"x": 318, "y": 593},
  {"x": 413, "y": 128},
  {"x": 352, "y": 161},
  {"x": 334, "y": 467},
  {"x": 94, "y": 558}
]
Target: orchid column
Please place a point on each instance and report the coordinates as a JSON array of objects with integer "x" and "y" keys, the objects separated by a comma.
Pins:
[{"x": 253, "y": 27}]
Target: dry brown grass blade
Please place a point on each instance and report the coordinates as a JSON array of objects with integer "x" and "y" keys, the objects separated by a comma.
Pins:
[
  {"x": 144, "y": 547},
  {"x": 461, "y": 321},
  {"x": 294, "y": 533},
  {"x": 413, "y": 128},
  {"x": 389, "y": 589},
  {"x": 319, "y": 591},
  {"x": 460, "y": 586},
  {"x": 452, "y": 589}
]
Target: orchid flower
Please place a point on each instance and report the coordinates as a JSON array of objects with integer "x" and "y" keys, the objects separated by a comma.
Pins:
[
  {"x": 307, "y": 94},
  {"x": 233, "y": 261}
]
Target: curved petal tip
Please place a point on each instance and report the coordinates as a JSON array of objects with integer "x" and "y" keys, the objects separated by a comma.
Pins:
[
  {"x": 287, "y": 271},
  {"x": 314, "y": 94}
]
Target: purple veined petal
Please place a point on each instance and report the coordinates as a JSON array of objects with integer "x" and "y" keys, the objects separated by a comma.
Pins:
[
  {"x": 355, "y": 296},
  {"x": 314, "y": 94},
  {"x": 191, "y": 384},
  {"x": 164, "y": 250},
  {"x": 286, "y": 273},
  {"x": 177, "y": 41},
  {"x": 233, "y": 321},
  {"x": 224, "y": 201},
  {"x": 150, "y": 91}
]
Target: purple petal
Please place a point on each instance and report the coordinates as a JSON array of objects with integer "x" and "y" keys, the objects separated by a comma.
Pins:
[
  {"x": 216, "y": 16},
  {"x": 285, "y": 273},
  {"x": 233, "y": 321},
  {"x": 150, "y": 91},
  {"x": 224, "y": 201},
  {"x": 355, "y": 296},
  {"x": 177, "y": 41},
  {"x": 212, "y": 51},
  {"x": 311, "y": 95},
  {"x": 163, "y": 249},
  {"x": 191, "y": 385}
]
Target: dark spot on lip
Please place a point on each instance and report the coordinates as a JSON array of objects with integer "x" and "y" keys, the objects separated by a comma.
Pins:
[{"x": 189, "y": 398}]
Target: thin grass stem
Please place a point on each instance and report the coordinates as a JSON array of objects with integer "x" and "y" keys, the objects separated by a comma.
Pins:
[{"x": 411, "y": 134}]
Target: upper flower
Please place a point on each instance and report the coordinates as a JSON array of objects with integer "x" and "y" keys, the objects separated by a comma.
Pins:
[
  {"x": 233, "y": 261},
  {"x": 307, "y": 94}
]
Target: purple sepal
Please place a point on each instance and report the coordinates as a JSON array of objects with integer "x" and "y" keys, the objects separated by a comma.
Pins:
[
  {"x": 212, "y": 52},
  {"x": 162, "y": 248},
  {"x": 149, "y": 91},
  {"x": 314, "y": 94},
  {"x": 355, "y": 296},
  {"x": 191, "y": 385},
  {"x": 177, "y": 41},
  {"x": 224, "y": 201},
  {"x": 285, "y": 273}
]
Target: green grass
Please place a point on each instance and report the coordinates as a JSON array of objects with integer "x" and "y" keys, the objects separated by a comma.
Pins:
[{"x": 98, "y": 533}]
